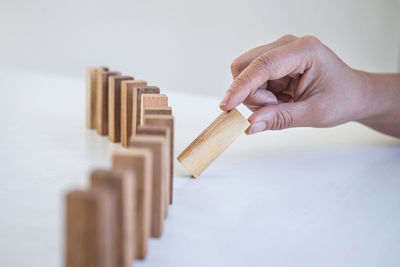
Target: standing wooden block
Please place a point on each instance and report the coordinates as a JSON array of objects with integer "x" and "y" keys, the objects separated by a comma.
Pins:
[
  {"x": 152, "y": 100},
  {"x": 122, "y": 185},
  {"x": 139, "y": 161},
  {"x": 102, "y": 101},
  {"x": 90, "y": 225},
  {"x": 213, "y": 141},
  {"x": 163, "y": 131},
  {"x": 91, "y": 83},
  {"x": 158, "y": 147},
  {"x": 114, "y": 107},
  {"x": 165, "y": 120},
  {"x": 137, "y": 103},
  {"x": 127, "y": 105},
  {"x": 158, "y": 111}
]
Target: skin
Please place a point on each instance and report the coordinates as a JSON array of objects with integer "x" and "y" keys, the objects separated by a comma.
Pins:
[{"x": 299, "y": 82}]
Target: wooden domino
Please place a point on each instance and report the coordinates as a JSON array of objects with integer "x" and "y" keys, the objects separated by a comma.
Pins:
[
  {"x": 163, "y": 131},
  {"x": 102, "y": 101},
  {"x": 90, "y": 226},
  {"x": 158, "y": 111},
  {"x": 137, "y": 103},
  {"x": 91, "y": 87},
  {"x": 127, "y": 88},
  {"x": 220, "y": 134},
  {"x": 165, "y": 120},
  {"x": 114, "y": 107},
  {"x": 139, "y": 161},
  {"x": 157, "y": 145},
  {"x": 122, "y": 185},
  {"x": 152, "y": 100}
]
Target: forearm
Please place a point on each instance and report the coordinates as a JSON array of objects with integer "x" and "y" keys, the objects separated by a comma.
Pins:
[{"x": 381, "y": 102}]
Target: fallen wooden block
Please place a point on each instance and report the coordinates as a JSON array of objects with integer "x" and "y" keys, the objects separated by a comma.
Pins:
[
  {"x": 90, "y": 226},
  {"x": 163, "y": 131},
  {"x": 91, "y": 87},
  {"x": 157, "y": 145},
  {"x": 213, "y": 141},
  {"x": 127, "y": 105},
  {"x": 102, "y": 101},
  {"x": 152, "y": 100},
  {"x": 137, "y": 103},
  {"x": 114, "y": 107},
  {"x": 168, "y": 121},
  {"x": 139, "y": 161},
  {"x": 158, "y": 111}
]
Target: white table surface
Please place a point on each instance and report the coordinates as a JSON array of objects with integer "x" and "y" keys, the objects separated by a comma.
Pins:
[{"x": 299, "y": 197}]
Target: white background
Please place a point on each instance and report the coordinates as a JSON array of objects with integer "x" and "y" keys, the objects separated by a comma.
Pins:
[{"x": 183, "y": 45}]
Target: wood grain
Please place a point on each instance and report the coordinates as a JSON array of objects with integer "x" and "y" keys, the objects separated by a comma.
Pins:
[
  {"x": 137, "y": 100},
  {"x": 152, "y": 100},
  {"x": 90, "y": 225},
  {"x": 157, "y": 145},
  {"x": 220, "y": 134},
  {"x": 162, "y": 131},
  {"x": 139, "y": 161},
  {"x": 127, "y": 105},
  {"x": 91, "y": 80},
  {"x": 114, "y": 107},
  {"x": 122, "y": 185},
  {"x": 168, "y": 121},
  {"x": 102, "y": 101},
  {"x": 158, "y": 111}
]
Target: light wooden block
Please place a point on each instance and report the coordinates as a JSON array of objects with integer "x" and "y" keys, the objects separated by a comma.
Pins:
[
  {"x": 102, "y": 101},
  {"x": 220, "y": 134},
  {"x": 168, "y": 121},
  {"x": 158, "y": 147},
  {"x": 127, "y": 105},
  {"x": 154, "y": 101},
  {"x": 114, "y": 107},
  {"x": 137, "y": 103},
  {"x": 89, "y": 228},
  {"x": 91, "y": 86},
  {"x": 158, "y": 111},
  {"x": 122, "y": 185},
  {"x": 163, "y": 131},
  {"x": 139, "y": 161}
]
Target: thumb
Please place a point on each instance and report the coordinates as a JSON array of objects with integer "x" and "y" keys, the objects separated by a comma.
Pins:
[{"x": 280, "y": 116}]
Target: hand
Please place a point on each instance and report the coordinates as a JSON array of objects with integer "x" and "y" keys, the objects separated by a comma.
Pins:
[{"x": 296, "y": 82}]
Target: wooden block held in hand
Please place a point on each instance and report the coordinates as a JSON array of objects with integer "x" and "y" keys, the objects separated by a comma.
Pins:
[
  {"x": 152, "y": 100},
  {"x": 90, "y": 226},
  {"x": 213, "y": 141},
  {"x": 102, "y": 101},
  {"x": 164, "y": 131},
  {"x": 157, "y": 145},
  {"x": 158, "y": 111},
  {"x": 139, "y": 161},
  {"x": 165, "y": 120},
  {"x": 114, "y": 107},
  {"x": 127, "y": 105},
  {"x": 137, "y": 102},
  {"x": 91, "y": 87}
]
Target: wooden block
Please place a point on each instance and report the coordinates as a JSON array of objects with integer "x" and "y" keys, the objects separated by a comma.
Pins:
[
  {"x": 152, "y": 100},
  {"x": 139, "y": 161},
  {"x": 165, "y": 120},
  {"x": 213, "y": 141},
  {"x": 90, "y": 225},
  {"x": 102, "y": 101},
  {"x": 158, "y": 111},
  {"x": 137, "y": 99},
  {"x": 163, "y": 131},
  {"x": 157, "y": 145},
  {"x": 122, "y": 185},
  {"x": 91, "y": 80},
  {"x": 127, "y": 105},
  {"x": 114, "y": 107}
]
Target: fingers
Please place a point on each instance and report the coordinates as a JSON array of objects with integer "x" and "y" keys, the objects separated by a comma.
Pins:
[
  {"x": 260, "y": 97},
  {"x": 292, "y": 58},
  {"x": 280, "y": 116}
]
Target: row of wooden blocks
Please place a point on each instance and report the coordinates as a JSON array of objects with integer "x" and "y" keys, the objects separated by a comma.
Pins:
[{"x": 110, "y": 223}]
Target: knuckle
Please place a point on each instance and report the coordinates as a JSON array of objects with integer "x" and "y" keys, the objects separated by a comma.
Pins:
[
  {"x": 282, "y": 120},
  {"x": 288, "y": 37},
  {"x": 265, "y": 61},
  {"x": 236, "y": 66},
  {"x": 310, "y": 41}
]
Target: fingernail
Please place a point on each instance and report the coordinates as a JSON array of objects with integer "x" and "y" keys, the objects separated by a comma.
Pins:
[
  {"x": 225, "y": 100},
  {"x": 258, "y": 127}
]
